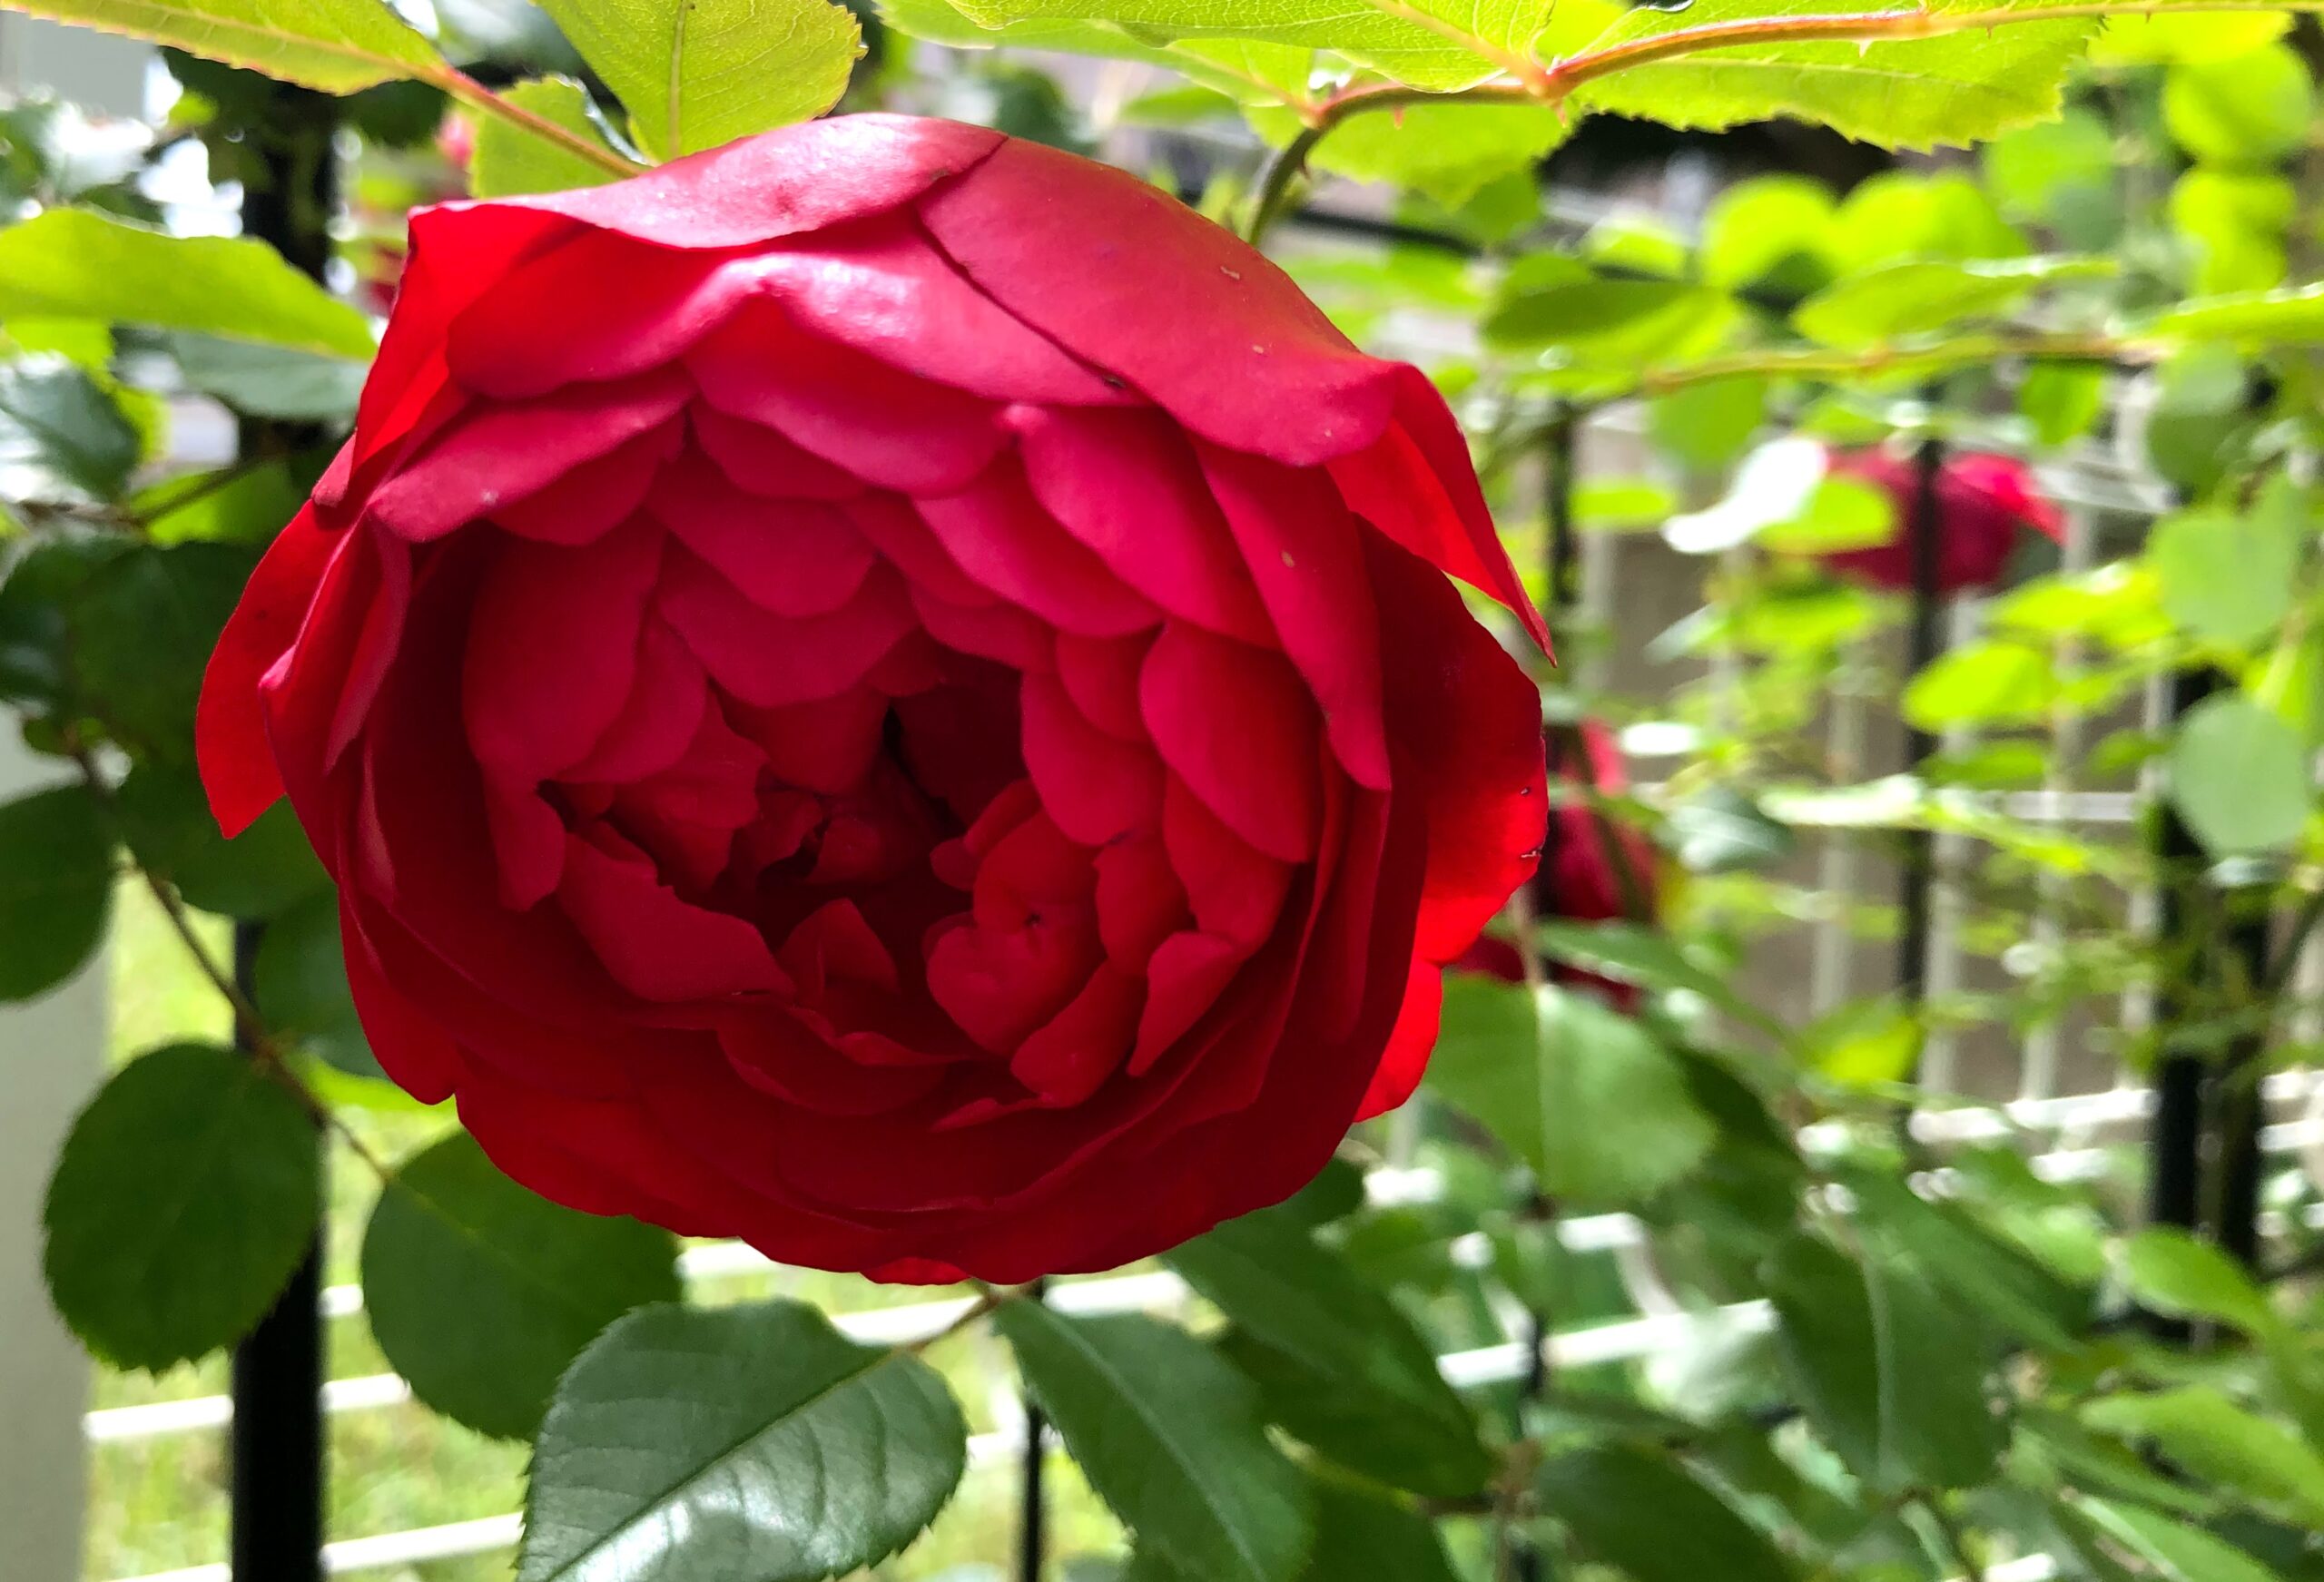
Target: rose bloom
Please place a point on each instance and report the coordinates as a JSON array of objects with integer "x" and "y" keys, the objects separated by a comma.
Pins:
[
  {"x": 892, "y": 693},
  {"x": 1593, "y": 868},
  {"x": 1983, "y": 502}
]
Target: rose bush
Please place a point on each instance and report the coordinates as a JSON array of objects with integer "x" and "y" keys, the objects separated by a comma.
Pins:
[
  {"x": 892, "y": 693},
  {"x": 1983, "y": 503}
]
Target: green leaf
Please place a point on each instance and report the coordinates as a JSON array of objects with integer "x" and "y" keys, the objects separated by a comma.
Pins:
[
  {"x": 2221, "y": 1443},
  {"x": 74, "y": 263},
  {"x": 2240, "y": 777},
  {"x": 336, "y": 45},
  {"x": 1635, "y": 953},
  {"x": 2171, "y": 1272},
  {"x": 2062, "y": 400},
  {"x": 1357, "y": 1381},
  {"x": 742, "y": 1442},
  {"x": 2225, "y": 576},
  {"x": 1640, "y": 1511},
  {"x": 1584, "y": 1095},
  {"x": 2172, "y": 1550},
  {"x": 1915, "y": 295},
  {"x": 1362, "y": 1537},
  {"x": 1171, "y": 1438},
  {"x": 1552, "y": 302},
  {"x": 35, "y": 639},
  {"x": 1954, "y": 89},
  {"x": 482, "y": 1293},
  {"x": 270, "y": 381},
  {"x": 2252, "y": 109},
  {"x": 1450, "y": 153},
  {"x": 299, "y": 986},
  {"x": 1889, "y": 1375},
  {"x": 706, "y": 73},
  {"x": 185, "y": 1195},
  {"x": 56, "y": 881},
  {"x": 1430, "y": 43},
  {"x": 1993, "y": 681},
  {"x": 61, "y": 436},
  {"x": 143, "y": 628},
  {"x": 2259, "y": 320},
  {"x": 1771, "y": 229},
  {"x": 166, "y": 819},
  {"x": 2054, "y": 172},
  {"x": 509, "y": 160},
  {"x": 2009, "y": 1288}
]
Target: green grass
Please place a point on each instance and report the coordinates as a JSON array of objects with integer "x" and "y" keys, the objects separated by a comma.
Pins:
[{"x": 158, "y": 1504}]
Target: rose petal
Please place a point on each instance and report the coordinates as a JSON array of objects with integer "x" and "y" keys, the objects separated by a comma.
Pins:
[
  {"x": 1140, "y": 902},
  {"x": 997, "y": 533},
  {"x": 1129, "y": 486},
  {"x": 659, "y": 718},
  {"x": 1266, "y": 373},
  {"x": 553, "y": 649},
  {"x": 595, "y": 496},
  {"x": 1183, "y": 979},
  {"x": 1471, "y": 724},
  {"x": 1236, "y": 891},
  {"x": 755, "y": 457},
  {"x": 230, "y": 729},
  {"x": 1237, "y": 725},
  {"x": 796, "y": 557},
  {"x": 1304, "y": 553},
  {"x": 767, "y": 660},
  {"x": 505, "y": 452},
  {"x": 877, "y": 422},
  {"x": 1096, "y": 787},
  {"x": 655, "y": 945},
  {"x": 1101, "y": 675},
  {"x": 1067, "y": 1059}
]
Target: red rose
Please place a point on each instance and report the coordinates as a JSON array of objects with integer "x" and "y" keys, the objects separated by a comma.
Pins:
[
  {"x": 1983, "y": 503},
  {"x": 1593, "y": 868},
  {"x": 892, "y": 693}
]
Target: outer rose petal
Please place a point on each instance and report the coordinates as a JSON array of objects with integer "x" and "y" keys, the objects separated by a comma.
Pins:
[
  {"x": 1268, "y": 373},
  {"x": 1405, "y": 1062},
  {"x": 1470, "y": 723},
  {"x": 229, "y": 728}
]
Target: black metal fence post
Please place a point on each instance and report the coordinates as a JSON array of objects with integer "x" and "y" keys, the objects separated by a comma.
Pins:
[
  {"x": 1032, "y": 1531},
  {"x": 276, "y": 1494},
  {"x": 1925, "y": 641}
]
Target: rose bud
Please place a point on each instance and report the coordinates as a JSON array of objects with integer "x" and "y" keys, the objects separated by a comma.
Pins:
[
  {"x": 1594, "y": 869},
  {"x": 892, "y": 693},
  {"x": 1983, "y": 503}
]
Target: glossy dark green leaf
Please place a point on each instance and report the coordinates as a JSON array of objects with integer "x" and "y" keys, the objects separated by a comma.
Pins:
[
  {"x": 1891, "y": 1375},
  {"x": 1171, "y": 1436},
  {"x": 482, "y": 1293},
  {"x": 36, "y": 636},
  {"x": 1347, "y": 1371},
  {"x": 61, "y": 436},
  {"x": 1586, "y": 1096},
  {"x": 745, "y": 1442},
  {"x": 270, "y": 381},
  {"x": 143, "y": 625},
  {"x": 1639, "y": 1511},
  {"x": 185, "y": 1195},
  {"x": 2010, "y": 1289},
  {"x": 166, "y": 819},
  {"x": 56, "y": 883}
]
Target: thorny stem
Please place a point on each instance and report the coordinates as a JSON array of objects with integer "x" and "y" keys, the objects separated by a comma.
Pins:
[
  {"x": 1553, "y": 84},
  {"x": 262, "y": 1044}
]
